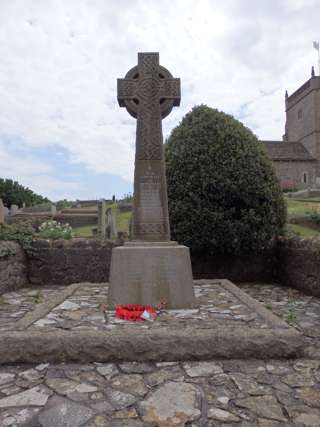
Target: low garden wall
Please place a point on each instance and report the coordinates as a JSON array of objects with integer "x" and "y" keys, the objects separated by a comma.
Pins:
[
  {"x": 294, "y": 262},
  {"x": 61, "y": 262},
  {"x": 259, "y": 267},
  {"x": 13, "y": 267},
  {"x": 80, "y": 220},
  {"x": 298, "y": 264}
]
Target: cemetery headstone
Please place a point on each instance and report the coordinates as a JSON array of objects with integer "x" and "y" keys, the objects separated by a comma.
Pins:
[
  {"x": 113, "y": 223},
  {"x": 2, "y": 214},
  {"x": 102, "y": 209},
  {"x": 14, "y": 209},
  {"x": 150, "y": 268},
  {"x": 53, "y": 210}
]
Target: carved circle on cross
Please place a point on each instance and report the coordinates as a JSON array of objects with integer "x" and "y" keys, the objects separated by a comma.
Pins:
[
  {"x": 132, "y": 105},
  {"x": 148, "y": 88}
]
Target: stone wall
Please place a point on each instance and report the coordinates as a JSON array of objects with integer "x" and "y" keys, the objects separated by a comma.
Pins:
[
  {"x": 289, "y": 171},
  {"x": 80, "y": 220},
  {"x": 293, "y": 262},
  {"x": 61, "y": 262},
  {"x": 260, "y": 267},
  {"x": 13, "y": 267},
  {"x": 298, "y": 264}
]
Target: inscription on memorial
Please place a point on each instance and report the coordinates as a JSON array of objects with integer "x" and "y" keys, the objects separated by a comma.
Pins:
[
  {"x": 149, "y": 92},
  {"x": 150, "y": 197}
]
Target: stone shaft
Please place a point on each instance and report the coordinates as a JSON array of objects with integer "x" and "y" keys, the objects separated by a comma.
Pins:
[{"x": 149, "y": 93}]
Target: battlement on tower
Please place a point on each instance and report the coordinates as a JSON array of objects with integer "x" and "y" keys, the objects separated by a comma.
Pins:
[{"x": 312, "y": 84}]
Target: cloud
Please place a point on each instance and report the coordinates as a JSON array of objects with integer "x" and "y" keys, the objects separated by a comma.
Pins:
[{"x": 60, "y": 61}]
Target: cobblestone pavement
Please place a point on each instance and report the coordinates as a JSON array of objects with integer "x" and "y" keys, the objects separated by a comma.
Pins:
[{"x": 210, "y": 393}]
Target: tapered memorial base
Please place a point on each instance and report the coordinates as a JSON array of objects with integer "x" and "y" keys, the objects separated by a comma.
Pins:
[{"x": 148, "y": 273}]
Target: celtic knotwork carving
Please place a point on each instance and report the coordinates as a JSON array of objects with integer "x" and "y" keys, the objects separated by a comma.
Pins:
[
  {"x": 150, "y": 228},
  {"x": 126, "y": 88},
  {"x": 149, "y": 62},
  {"x": 148, "y": 88},
  {"x": 149, "y": 135},
  {"x": 170, "y": 88}
]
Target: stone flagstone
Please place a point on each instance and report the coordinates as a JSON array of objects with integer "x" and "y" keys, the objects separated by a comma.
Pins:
[
  {"x": 64, "y": 413},
  {"x": 36, "y": 396},
  {"x": 172, "y": 404},
  {"x": 264, "y": 406}
]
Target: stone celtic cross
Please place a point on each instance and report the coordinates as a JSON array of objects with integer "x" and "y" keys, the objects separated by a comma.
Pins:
[{"x": 149, "y": 92}]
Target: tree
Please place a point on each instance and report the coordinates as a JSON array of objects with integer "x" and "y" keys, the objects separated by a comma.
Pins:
[
  {"x": 13, "y": 193},
  {"x": 223, "y": 194}
]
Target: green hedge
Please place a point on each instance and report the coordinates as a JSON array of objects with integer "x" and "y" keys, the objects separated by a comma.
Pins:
[{"x": 223, "y": 193}]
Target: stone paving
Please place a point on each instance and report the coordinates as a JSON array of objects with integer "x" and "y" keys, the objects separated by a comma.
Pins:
[
  {"x": 224, "y": 393},
  {"x": 86, "y": 309},
  {"x": 79, "y": 311}
]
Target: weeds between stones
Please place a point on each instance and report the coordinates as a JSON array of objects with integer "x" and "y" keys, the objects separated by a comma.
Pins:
[
  {"x": 291, "y": 316},
  {"x": 37, "y": 298}
]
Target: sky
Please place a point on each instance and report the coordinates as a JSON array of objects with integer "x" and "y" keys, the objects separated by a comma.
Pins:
[{"x": 62, "y": 132}]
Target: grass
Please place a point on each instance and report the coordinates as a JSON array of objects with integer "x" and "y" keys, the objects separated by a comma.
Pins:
[
  {"x": 122, "y": 224},
  {"x": 300, "y": 207},
  {"x": 302, "y": 231},
  {"x": 85, "y": 231},
  {"x": 123, "y": 221},
  {"x": 291, "y": 316}
]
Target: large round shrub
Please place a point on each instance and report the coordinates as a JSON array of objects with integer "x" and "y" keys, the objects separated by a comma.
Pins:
[{"x": 223, "y": 194}]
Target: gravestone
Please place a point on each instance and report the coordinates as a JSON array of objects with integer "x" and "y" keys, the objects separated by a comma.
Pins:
[
  {"x": 14, "y": 209},
  {"x": 102, "y": 209},
  {"x": 2, "y": 214},
  {"x": 111, "y": 223},
  {"x": 151, "y": 267},
  {"x": 53, "y": 209}
]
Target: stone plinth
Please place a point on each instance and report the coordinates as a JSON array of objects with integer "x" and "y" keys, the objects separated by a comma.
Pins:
[{"x": 149, "y": 272}]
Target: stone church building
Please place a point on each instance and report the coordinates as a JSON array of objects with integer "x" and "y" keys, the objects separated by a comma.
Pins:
[{"x": 297, "y": 158}]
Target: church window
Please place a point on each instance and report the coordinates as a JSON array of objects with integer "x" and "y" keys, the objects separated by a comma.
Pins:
[
  {"x": 300, "y": 114},
  {"x": 305, "y": 177}
]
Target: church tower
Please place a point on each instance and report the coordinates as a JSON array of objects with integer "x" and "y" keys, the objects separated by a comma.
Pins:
[{"x": 303, "y": 117}]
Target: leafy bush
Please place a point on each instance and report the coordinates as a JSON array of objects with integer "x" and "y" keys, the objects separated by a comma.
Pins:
[
  {"x": 63, "y": 204},
  {"x": 22, "y": 233},
  {"x": 6, "y": 252},
  {"x": 314, "y": 216},
  {"x": 223, "y": 194},
  {"x": 55, "y": 230}
]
